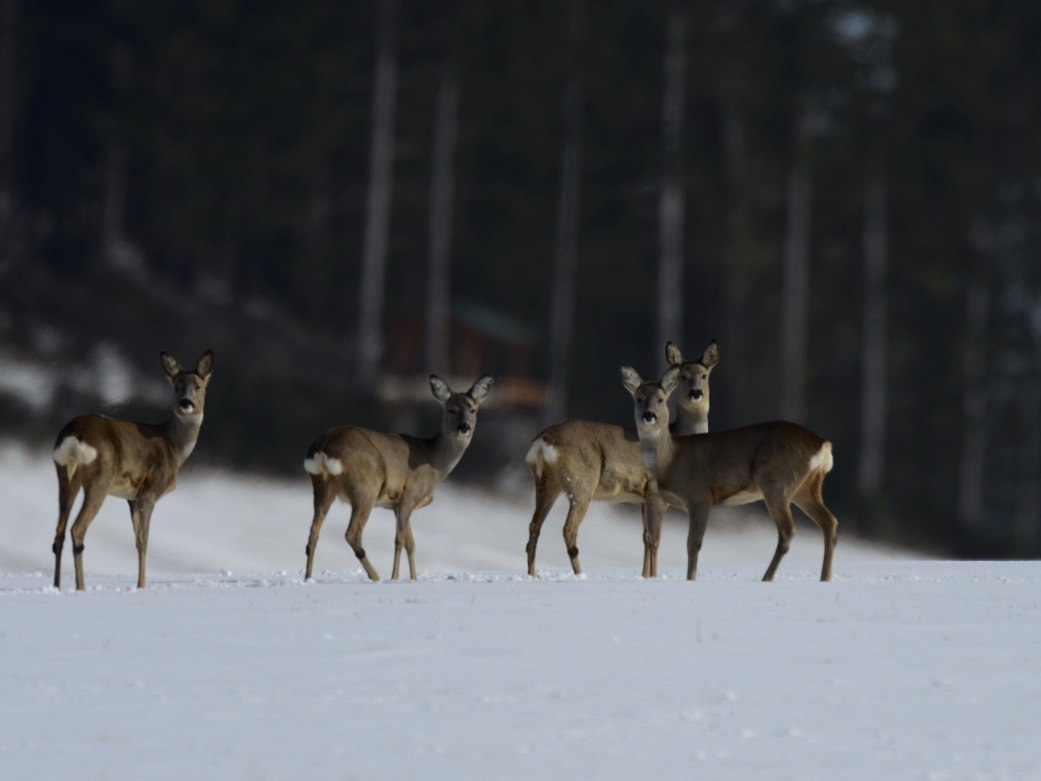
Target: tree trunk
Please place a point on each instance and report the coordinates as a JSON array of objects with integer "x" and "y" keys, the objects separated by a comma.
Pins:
[
  {"x": 8, "y": 42},
  {"x": 795, "y": 295},
  {"x": 311, "y": 274},
  {"x": 735, "y": 379},
  {"x": 117, "y": 252},
  {"x": 377, "y": 202},
  {"x": 670, "y": 209},
  {"x": 566, "y": 253},
  {"x": 441, "y": 195},
  {"x": 10, "y": 249},
  {"x": 975, "y": 398},
  {"x": 113, "y": 208},
  {"x": 1028, "y": 499},
  {"x": 874, "y": 401}
]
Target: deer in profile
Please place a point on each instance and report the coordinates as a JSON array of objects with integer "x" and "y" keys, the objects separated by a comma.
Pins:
[
  {"x": 136, "y": 461},
  {"x": 597, "y": 461},
  {"x": 368, "y": 469},
  {"x": 779, "y": 462}
]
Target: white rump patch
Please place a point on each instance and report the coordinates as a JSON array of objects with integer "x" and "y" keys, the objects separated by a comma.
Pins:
[
  {"x": 540, "y": 453},
  {"x": 73, "y": 451},
  {"x": 321, "y": 464},
  {"x": 823, "y": 457}
]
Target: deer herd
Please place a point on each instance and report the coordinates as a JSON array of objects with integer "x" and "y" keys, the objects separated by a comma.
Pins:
[{"x": 656, "y": 463}]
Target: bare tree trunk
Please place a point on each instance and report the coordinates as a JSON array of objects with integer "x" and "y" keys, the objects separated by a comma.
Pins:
[
  {"x": 113, "y": 207},
  {"x": 670, "y": 209},
  {"x": 311, "y": 274},
  {"x": 10, "y": 251},
  {"x": 441, "y": 195},
  {"x": 795, "y": 295},
  {"x": 975, "y": 398},
  {"x": 874, "y": 401},
  {"x": 734, "y": 257},
  {"x": 8, "y": 41},
  {"x": 566, "y": 254},
  {"x": 377, "y": 203},
  {"x": 1028, "y": 500},
  {"x": 117, "y": 251}
]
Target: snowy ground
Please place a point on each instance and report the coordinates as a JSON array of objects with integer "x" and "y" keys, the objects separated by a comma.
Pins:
[{"x": 902, "y": 668}]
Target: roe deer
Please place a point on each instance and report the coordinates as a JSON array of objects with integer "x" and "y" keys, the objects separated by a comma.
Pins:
[
  {"x": 368, "y": 469},
  {"x": 136, "y": 461},
  {"x": 779, "y": 462},
  {"x": 597, "y": 461}
]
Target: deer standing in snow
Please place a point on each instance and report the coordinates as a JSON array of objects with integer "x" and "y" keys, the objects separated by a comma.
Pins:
[
  {"x": 136, "y": 461},
  {"x": 369, "y": 469},
  {"x": 597, "y": 461},
  {"x": 779, "y": 462}
]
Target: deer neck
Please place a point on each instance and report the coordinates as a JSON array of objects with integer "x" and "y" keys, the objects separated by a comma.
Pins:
[
  {"x": 690, "y": 421},
  {"x": 445, "y": 452},
  {"x": 658, "y": 449},
  {"x": 182, "y": 433}
]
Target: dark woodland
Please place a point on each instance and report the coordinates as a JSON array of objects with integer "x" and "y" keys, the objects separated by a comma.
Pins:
[{"x": 340, "y": 198}]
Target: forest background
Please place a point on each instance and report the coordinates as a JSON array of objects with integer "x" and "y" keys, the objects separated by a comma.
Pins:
[{"x": 845, "y": 194}]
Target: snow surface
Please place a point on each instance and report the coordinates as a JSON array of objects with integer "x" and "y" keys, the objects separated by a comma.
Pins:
[{"x": 902, "y": 668}]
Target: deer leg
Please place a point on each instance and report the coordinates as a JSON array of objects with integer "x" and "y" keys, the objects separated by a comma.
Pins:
[
  {"x": 66, "y": 498},
  {"x": 698, "y": 514},
  {"x": 781, "y": 511},
  {"x": 647, "y": 542},
  {"x": 544, "y": 499},
  {"x": 576, "y": 512},
  {"x": 410, "y": 549},
  {"x": 653, "y": 513},
  {"x": 810, "y": 502},
  {"x": 403, "y": 539},
  {"x": 93, "y": 498},
  {"x": 135, "y": 519},
  {"x": 359, "y": 517},
  {"x": 323, "y": 499},
  {"x": 141, "y": 515}
]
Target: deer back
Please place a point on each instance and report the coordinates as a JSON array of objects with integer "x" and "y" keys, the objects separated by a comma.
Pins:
[
  {"x": 730, "y": 467},
  {"x": 385, "y": 465},
  {"x": 135, "y": 457},
  {"x": 599, "y": 456}
]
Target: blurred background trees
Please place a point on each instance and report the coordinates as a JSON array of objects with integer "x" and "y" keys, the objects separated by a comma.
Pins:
[{"x": 341, "y": 197}]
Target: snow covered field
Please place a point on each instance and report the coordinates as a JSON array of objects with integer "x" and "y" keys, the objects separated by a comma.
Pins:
[{"x": 902, "y": 668}]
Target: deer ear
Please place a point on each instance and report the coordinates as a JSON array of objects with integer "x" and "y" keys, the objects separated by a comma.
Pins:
[
  {"x": 630, "y": 379},
  {"x": 673, "y": 355},
  {"x": 205, "y": 364},
  {"x": 171, "y": 366},
  {"x": 710, "y": 356},
  {"x": 480, "y": 388},
  {"x": 440, "y": 389},
  {"x": 670, "y": 380}
]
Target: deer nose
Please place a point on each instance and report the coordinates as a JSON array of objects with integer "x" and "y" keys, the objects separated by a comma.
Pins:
[
  {"x": 463, "y": 429},
  {"x": 697, "y": 394},
  {"x": 649, "y": 417},
  {"x": 186, "y": 405}
]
